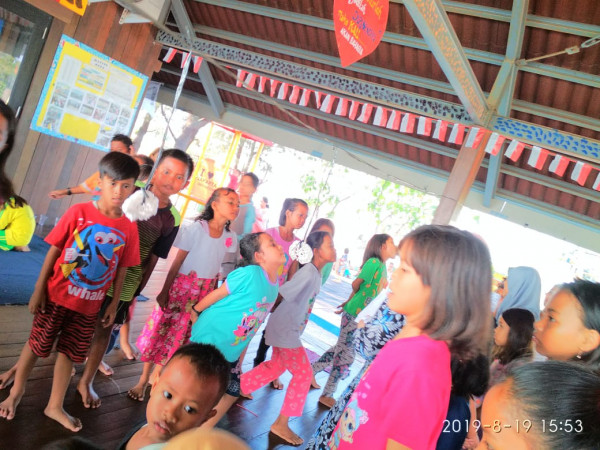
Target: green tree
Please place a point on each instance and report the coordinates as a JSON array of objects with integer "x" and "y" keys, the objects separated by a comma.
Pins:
[{"x": 320, "y": 193}]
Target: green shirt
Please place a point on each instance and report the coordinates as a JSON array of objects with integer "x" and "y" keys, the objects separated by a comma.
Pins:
[{"x": 373, "y": 274}]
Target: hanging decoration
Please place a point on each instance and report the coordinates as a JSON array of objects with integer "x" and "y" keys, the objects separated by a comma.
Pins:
[{"x": 359, "y": 26}]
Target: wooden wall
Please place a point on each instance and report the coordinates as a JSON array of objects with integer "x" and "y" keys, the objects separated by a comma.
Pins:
[{"x": 47, "y": 163}]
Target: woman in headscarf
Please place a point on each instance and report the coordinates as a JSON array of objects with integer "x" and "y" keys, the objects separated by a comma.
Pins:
[{"x": 524, "y": 289}]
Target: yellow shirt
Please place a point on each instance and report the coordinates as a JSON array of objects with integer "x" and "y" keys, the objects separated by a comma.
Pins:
[{"x": 17, "y": 224}]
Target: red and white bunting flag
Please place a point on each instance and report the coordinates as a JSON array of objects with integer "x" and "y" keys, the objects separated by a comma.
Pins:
[
  {"x": 250, "y": 81},
  {"x": 439, "y": 132},
  {"x": 197, "y": 63},
  {"x": 353, "y": 109},
  {"x": 274, "y": 84},
  {"x": 393, "y": 122},
  {"x": 318, "y": 96},
  {"x": 295, "y": 95},
  {"x": 559, "y": 165},
  {"x": 581, "y": 172},
  {"x": 241, "y": 74},
  {"x": 305, "y": 97},
  {"x": 494, "y": 144},
  {"x": 424, "y": 126},
  {"x": 283, "y": 91},
  {"x": 262, "y": 83},
  {"x": 327, "y": 103},
  {"x": 537, "y": 158},
  {"x": 342, "y": 107},
  {"x": 380, "y": 118},
  {"x": 408, "y": 123},
  {"x": 474, "y": 137},
  {"x": 597, "y": 182},
  {"x": 171, "y": 52},
  {"x": 514, "y": 150},
  {"x": 457, "y": 134},
  {"x": 184, "y": 57},
  {"x": 365, "y": 113}
]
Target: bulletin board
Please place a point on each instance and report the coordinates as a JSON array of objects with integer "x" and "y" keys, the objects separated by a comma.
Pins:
[{"x": 88, "y": 97}]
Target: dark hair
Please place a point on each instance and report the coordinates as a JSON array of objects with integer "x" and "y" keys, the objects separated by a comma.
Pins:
[
  {"x": 209, "y": 213},
  {"x": 253, "y": 177},
  {"x": 118, "y": 166},
  {"x": 266, "y": 200},
  {"x": 316, "y": 238},
  {"x": 209, "y": 362},
  {"x": 587, "y": 294},
  {"x": 146, "y": 165},
  {"x": 124, "y": 139},
  {"x": 249, "y": 245},
  {"x": 290, "y": 204},
  {"x": 470, "y": 377},
  {"x": 7, "y": 189},
  {"x": 456, "y": 265},
  {"x": 322, "y": 222},
  {"x": 179, "y": 155},
  {"x": 518, "y": 343},
  {"x": 561, "y": 392},
  {"x": 373, "y": 249}
]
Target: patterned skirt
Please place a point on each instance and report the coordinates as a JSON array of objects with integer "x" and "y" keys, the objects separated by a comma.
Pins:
[{"x": 168, "y": 329}]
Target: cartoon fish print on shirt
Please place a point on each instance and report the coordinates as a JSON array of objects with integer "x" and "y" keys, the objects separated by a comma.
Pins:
[
  {"x": 252, "y": 321},
  {"x": 90, "y": 262}
]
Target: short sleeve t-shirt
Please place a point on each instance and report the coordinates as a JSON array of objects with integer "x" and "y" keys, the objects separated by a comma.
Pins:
[
  {"x": 373, "y": 274},
  {"x": 205, "y": 253},
  {"x": 403, "y": 396},
  {"x": 289, "y": 319},
  {"x": 90, "y": 184},
  {"x": 285, "y": 245},
  {"x": 231, "y": 323},
  {"x": 93, "y": 246},
  {"x": 156, "y": 238},
  {"x": 242, "y": 225}
]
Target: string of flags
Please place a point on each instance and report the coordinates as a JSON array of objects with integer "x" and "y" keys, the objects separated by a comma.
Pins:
[
  {"x": 171, "y": 52},
  {"x": 404, "y": 122}
]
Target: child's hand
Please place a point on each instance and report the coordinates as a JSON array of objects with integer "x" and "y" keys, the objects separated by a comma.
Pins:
[
  {"x": 37, "y": 301},
  {"x": 162, "y": 299},
  {"x": 109, "y": 316},
  {"x": 193, "y": 317},
  {"x": 340, "y": 309},
  {"x": 360, "y": 324},
  {"x": 57, "y": 194}
]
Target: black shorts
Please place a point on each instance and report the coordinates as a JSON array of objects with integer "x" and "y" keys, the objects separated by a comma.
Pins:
[{"x": 122, "y": 310}]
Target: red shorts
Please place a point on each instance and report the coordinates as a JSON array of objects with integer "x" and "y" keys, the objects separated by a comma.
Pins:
[{"x": 73, "y": 330}]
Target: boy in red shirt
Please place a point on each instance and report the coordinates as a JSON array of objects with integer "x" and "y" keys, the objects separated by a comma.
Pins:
[{"x": 91, "y": 246}]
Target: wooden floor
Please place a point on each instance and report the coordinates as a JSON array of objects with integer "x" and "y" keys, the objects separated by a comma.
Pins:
[{"x": 106, "y": 426}]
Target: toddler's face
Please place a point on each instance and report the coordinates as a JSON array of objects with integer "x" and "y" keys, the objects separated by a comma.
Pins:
[
  {"x": 180, "y": 400},
  {"x": 560, "y": 332}
]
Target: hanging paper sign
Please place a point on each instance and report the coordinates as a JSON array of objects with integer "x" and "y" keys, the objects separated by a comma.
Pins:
[
  {"x": 77, "y": 6},
  {"x": 359, "y": 27}
]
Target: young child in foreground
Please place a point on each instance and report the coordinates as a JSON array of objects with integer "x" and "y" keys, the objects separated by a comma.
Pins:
[
  {"x": 91, "y": 247},
  {"x": 442, "y": 287},
  {"x": 183, "y": 396},
  {"x": 283, "y": 332}
]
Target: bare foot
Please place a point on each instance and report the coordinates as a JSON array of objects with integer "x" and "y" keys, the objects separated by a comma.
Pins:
[
  {"x": 314, "y": 384},
  {"x": 22, "y": 248},
  {"x": 8, "y": 407},
  {"x": 248, "y": 396},
  {"x": 327, "y": 401},
  {"x": 88, "y": 395},
  {"x": 285, "y": 432},
  {"x": 129, "y": 352},
  {"x": 7, "y": 378},
  {"x": 105, "y": 369},
  {"x": 138, "y": 392},
  {"x": 277, "y": 384},
  {"x": 66, "y": 420}
]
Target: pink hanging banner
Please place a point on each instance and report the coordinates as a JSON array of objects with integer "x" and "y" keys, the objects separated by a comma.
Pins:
[{"x": 359, "y": 27}]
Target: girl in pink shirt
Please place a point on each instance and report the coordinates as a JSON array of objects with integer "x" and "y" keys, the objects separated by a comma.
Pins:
[{"x": 442, "y": 287}]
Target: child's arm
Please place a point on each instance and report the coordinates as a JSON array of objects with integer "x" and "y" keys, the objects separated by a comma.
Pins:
[
  {"x": 111, "y": 310},
  {"x": 38, "y": 298},
  {"x": 209, "y": 300},
  {"x": 293, "y": 269},
  {"x": 472, "y": 440},
  {"x": 60, "y": 193},
  {"x": 163, "y": 296},
  {"x": 148, "y": 269},
  {"x": 355, "y": 287}
]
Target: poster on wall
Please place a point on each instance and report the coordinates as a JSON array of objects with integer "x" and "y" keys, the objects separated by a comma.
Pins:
[{"x": 88, "y": 97}]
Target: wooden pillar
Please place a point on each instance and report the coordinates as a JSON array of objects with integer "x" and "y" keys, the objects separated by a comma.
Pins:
[{"x": 460, "y": 181}]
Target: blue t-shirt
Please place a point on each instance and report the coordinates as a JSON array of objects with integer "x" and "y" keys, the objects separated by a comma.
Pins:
[{"x": 231, "y": 323}]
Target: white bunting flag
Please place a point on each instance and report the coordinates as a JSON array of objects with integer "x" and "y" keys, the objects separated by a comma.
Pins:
[
  {"x": 241, "y": 75},
  {"x": 353, "y": 109},
  {"x": 597, "y": 182},
  {"x": 439, "y": 132},
  {"x": 408, "y": 123},
  {"x": 559, "y": 165},
  {"x": 295, "y": 95},
  {"x": 305, "y": 97},
  {"x": 262, "y": 83},
  {"x": 514, "y": 150},
  {"x": 424, "y": 126},
  {"x": 580, "y": 172},
  {"x": 494, "y": 144},
  {"x": 283, "y": 91},
  {"x": 457, "y": 134},
  {"x": 170, "y": 55},
  {"x": 474, "y": 137},
  {"x": 318, "y": 98},
  {"x": 342, "y": 107},
  {"x": 251, "y": 80},
  {"x": 380, "y": 118},
  {"x": 365, "y": 113},
  {"x": 537, "y": 157},
  {"x": 197, "y": 63},
  {"x": 274, "y": 84},
  {"x": 327, "y": 104},
  {"x": 393, "y": 122}
]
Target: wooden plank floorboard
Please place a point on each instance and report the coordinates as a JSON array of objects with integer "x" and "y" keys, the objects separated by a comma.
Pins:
[{"x": 106, "y": 426}]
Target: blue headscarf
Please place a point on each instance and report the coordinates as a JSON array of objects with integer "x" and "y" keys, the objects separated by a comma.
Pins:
[{"x": 524, "y": 291}]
